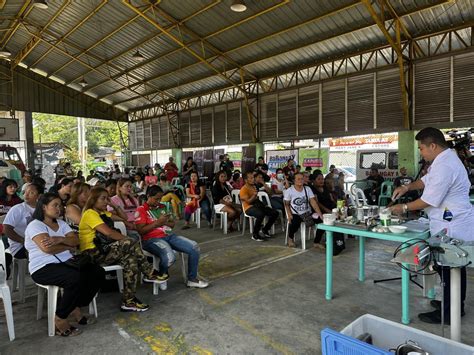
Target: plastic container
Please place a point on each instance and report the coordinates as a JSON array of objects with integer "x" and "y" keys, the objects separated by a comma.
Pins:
[
  {"x": 335, "y": 343},
  {"x": 329, "y": 219},
  {"x": 389, "y": 335}
]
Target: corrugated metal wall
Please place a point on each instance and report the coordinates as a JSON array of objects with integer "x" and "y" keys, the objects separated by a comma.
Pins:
[
  {"x": 360, "y": 104},
  {"x": 444, "y": 92},
  {"x": 35, "y": 93}
]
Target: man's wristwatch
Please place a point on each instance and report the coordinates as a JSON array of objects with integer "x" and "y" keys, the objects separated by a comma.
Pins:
[{"x": 405, "y": 208}]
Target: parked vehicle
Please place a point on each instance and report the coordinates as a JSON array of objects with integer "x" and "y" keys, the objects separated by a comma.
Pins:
[{"x": 386, "y": 161}]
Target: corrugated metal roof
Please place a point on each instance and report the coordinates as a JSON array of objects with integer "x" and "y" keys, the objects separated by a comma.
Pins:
[{"x": 272, "y": 36}]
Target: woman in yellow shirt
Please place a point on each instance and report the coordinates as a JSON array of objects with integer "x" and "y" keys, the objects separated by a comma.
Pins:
[{"x": 120, "y": 250}]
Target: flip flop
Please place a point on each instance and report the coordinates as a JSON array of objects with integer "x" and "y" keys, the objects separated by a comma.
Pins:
[{"x": 71, "y": 332}]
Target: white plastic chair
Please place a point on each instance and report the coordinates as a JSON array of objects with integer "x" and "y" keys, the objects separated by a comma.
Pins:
[
  {"x": 302, "y": 232},
  {"x": 5, "y": 294},
  {"x": 121, "y": 227},
  {"x": 119, "y": 270},
  {"x": 19, "y": 277},
  {"x": 222, "y": 214},
  {"x": 236, "y": 199},
  {"x": 196, "y": 217},
  {"x": 263, "y": 196},
  {"x": 52, "y": 303},
  {"x": 156, "y": 263},
  {"x": 175, "y": 181},
  {"x": 358, "y": 196}
]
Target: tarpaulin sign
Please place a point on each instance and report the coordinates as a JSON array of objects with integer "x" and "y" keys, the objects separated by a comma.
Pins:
[{"x": 278, "y": 158}]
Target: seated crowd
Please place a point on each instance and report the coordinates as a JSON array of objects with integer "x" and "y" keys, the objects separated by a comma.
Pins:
[{"x": 70, "y": 233}]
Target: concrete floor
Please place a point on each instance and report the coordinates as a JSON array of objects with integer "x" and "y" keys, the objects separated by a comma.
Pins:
[{"x": 264, "y": 299}]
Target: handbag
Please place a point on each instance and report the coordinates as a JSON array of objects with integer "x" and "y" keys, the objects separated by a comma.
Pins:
[
  {"x": 307, "y": 217},
  {"x": 101, "y": 241},
  {"x": 77, "y": 262}
]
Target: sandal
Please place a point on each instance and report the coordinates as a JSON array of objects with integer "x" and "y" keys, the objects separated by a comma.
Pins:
[
  {"x": 291, "y": 243},
  {"x": 86, "y": 321},
  {"x": 72, "y": 332}
]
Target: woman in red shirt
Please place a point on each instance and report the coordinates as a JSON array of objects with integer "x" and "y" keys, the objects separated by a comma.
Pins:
[{"x": 8, "y": 196}]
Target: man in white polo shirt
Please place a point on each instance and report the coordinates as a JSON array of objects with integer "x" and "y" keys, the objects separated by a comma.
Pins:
[{"x": 445, "y": 200}]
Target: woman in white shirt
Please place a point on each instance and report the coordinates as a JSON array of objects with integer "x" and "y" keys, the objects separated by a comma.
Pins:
[
  {"x": 17, "y": 219},
  {"x": 49, "y": 241},
  {"x": 298, "y": 201}
]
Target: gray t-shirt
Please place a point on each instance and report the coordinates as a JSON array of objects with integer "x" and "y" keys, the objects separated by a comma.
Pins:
[
  {"x": 37, "y": 257},
  {"x": 299, "y": 200}
]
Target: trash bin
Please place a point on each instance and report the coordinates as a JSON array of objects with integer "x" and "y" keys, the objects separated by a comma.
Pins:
[{"x": 386, "y": 335}]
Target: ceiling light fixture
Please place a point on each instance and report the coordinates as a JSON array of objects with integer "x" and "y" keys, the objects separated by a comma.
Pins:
[
  {"x": 5, "y": 53},
  {"x": 238, "y": 6},
  {"x": 138, "y": 56},
  {"x": 83, "y": 82},
  {"x": 40, "y": 4}
]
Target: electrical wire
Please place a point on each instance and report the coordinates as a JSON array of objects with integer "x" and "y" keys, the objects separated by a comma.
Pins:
[{"x": 410, "y": 243}]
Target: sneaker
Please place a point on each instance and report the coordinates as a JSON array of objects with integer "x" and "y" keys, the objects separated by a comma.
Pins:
[
  {"x": 266, "y": 234},
  {"x": 134, "y": 305},
  {"x": 197, "y": 283},
  {"x": 258, "y": 238},
  {"x": 156, "y": 278}
]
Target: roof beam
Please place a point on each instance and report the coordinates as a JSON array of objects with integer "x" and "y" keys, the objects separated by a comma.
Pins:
[
  {"x": 271, "y": 8},
  {"x": 71, "y": 31},
  {"x": 363, "y": 27},
  {"x": 182, "y": 44},
  {"x": 106, "y": 37},
  {"x": 396, "y": 44},
  {"x": 314, "y": 19},
  {"x": 33, "y": 42},
  {"x": 54, "y": 46},
  {"x": 24, "y": 11},
  {"x": 142, "y": 43}
]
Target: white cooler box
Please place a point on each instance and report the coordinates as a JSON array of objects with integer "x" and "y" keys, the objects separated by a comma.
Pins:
[{"x": 388, "y": 335}]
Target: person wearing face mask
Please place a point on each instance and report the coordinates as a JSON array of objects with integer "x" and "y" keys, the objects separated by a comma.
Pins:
[
  {"x": 17, "y": 220},
  {"x": 445, "y": 199},
  {"x": 279, "y": 183}
]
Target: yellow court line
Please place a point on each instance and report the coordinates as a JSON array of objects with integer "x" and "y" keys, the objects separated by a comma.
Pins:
[{"x": 265, "y": 338}]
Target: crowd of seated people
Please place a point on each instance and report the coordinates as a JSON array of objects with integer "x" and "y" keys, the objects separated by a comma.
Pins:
[{"x": 111, "y": 218}]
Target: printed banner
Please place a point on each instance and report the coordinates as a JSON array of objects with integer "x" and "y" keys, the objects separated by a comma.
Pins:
[
  {"x": 314, "y": 158},
  {"x": 236, "y": 158},
  {"x": 278, "y": 158},
  {"x": 248, "y": 158}
]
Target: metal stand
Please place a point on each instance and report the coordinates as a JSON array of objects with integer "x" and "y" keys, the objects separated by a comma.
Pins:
[
  {"x": 399, "y": 278},
  {"x": 455, "y": 308}
]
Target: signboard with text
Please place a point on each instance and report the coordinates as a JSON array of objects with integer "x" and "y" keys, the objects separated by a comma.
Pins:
[
  {"x": 314, "y": 158},
  {"x": 278, "y": 158}
]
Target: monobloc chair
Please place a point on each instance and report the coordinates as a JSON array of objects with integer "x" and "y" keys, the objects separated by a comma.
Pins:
[
  {"x": 236, "y": 199},
  {"x": 302, "y": 232},
  {"x": 19, "y": 277},
  {"x": 5, "y": 294},
  {"x": 386, "y": 190},
  {"x": 263, "y": 196},
  {"x": 221, "y": 214},
  {"x": 52, "y": 294}
]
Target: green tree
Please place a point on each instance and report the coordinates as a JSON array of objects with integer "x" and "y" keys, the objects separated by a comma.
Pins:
[{"x": 49, "y": 128}]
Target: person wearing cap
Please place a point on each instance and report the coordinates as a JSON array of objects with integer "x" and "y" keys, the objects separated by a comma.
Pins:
[{"x": 445, "y": 199}]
